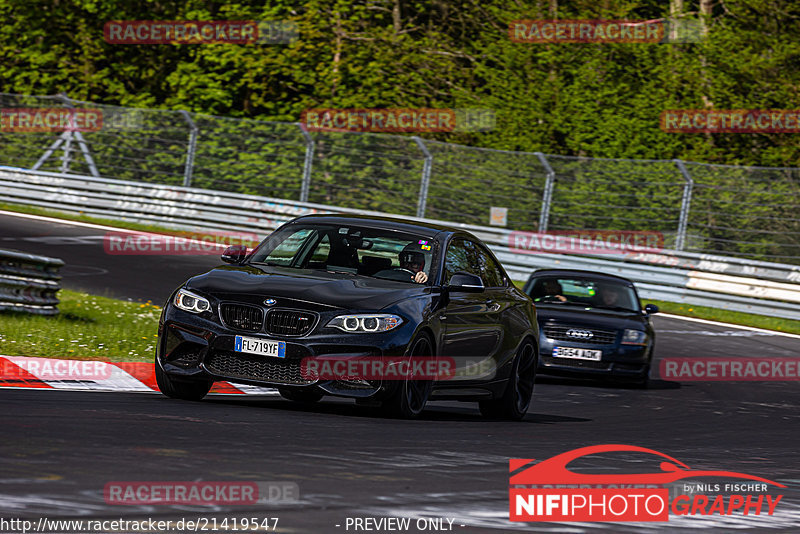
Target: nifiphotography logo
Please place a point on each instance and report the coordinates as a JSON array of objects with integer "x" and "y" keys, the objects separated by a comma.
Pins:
[{"x": 550, "y": 491}]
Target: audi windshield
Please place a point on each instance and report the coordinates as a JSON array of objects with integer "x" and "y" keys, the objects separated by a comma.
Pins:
[{"x": 584, "y": 292}]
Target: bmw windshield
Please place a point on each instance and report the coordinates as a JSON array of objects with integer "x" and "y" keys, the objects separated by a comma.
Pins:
[
  {"x": 602, "y": 294},
  {"x": 373, "y": 252}
]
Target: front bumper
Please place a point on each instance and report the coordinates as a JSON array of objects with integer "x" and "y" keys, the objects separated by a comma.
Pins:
[
  {"x": 193, "y": 347},
  {"x": 617, "y": 360}
]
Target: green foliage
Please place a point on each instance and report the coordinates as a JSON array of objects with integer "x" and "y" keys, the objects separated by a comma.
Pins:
[{"x": 599, "y": 100}]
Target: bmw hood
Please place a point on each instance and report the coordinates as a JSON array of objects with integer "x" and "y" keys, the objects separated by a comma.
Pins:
[{"x": 302, "y": 287}]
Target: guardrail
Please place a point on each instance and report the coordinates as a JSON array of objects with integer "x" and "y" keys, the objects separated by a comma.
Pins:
[
  {"x": 749, "y": 212},
  {"x": 29, "y": 283},
  {"x": 762, "y": 288}
]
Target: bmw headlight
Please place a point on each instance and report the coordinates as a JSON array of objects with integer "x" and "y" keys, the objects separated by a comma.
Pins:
[
  {"x": 633, "y": 337},
  {"x": 190, "y": 302},
  {"x": 366, "y": 322}
]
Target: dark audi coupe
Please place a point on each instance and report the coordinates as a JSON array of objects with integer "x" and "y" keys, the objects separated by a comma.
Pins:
[
  {"x": 325, "y": 287},
  {"x": 592, "y": 324}
]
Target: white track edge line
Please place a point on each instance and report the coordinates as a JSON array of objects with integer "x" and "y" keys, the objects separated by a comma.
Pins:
[
  {"x": 729, "y": 325},
  {"x": 98, "y": 226}
]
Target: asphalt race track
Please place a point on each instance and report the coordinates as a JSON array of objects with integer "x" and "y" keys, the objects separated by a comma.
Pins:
[
  {"x": 88, "y": 267},
  {"x": 59, "y": 449}
]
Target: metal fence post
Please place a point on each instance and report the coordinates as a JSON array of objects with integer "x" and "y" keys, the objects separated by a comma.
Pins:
[
  {"x": 49, "y": 152},
  {"x": 547, "y": 195},
  {"x": 87, "y": 155},
  {"x": 67, "y": 138},
  {"x": 686, "y": 202},
  {"x": 305, "y": 187},
  {"x": 190, "y": 152},
  {"x": 426, "y": 177},
  {"x": 67, "y": 157}
]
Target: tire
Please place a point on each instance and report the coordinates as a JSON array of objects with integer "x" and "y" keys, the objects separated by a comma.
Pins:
[
  {"x": 175, "y": 389},
  {"x": 308, "y": 395},
  {"x": 644, "y": 381},
  {"x": 411, "y": 396},
  {"x": 516, "y": 399}
]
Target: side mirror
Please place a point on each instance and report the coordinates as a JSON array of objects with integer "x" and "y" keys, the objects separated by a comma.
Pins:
[
  {"x": 465, "y": 282},
  {"x": 650, "y": 309},
  {"x": 234, "y": 254}
]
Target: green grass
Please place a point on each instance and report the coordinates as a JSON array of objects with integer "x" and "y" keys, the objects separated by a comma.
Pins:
[
  {"x": 727, "y": 316},
  {"x": 88, "y": 327},
  {"x": 724, "y": 316}
]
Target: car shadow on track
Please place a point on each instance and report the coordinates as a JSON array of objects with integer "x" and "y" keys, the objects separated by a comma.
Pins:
[
  {"x": 654, "y": 384},
  {"x": 433, "y": 412}
]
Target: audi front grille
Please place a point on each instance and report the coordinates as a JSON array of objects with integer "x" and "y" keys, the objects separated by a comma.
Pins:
[{"x": 579, "y": 334}]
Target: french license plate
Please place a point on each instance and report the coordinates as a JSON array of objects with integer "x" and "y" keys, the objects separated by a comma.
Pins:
[
  {"x": 577, "y": 354},
  {"x": 263, "y": 347}
]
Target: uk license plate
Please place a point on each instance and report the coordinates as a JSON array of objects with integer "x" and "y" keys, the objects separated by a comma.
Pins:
[
  {"x": 577, "y": 354},
  {"x": 263, "y": 347}
]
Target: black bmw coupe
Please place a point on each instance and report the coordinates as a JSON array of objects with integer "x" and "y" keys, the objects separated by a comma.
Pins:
[{"x": 328, "y": 291}]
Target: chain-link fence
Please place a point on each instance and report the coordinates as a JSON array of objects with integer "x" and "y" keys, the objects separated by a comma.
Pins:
[{"x": 749, "y": 212}]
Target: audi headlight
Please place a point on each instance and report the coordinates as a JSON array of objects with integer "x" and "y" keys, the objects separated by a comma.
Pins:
[
  {"x": 366, "y": 323},
  {"x": 188, "y": 301},
  {"x": 633, "y": 337}
]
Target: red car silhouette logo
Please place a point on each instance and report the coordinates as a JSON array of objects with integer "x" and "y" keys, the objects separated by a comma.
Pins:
[{"x": 554, "y": 470}]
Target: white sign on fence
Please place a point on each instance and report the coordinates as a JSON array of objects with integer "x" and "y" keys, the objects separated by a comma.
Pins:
[{"x": 498, "y": 216}]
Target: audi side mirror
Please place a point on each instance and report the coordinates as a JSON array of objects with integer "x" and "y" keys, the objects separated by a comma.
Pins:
[
  {"x": 234, "y": 254},
  {"x": 650, "y": 309},
  {"x": 466, "y": 282}
]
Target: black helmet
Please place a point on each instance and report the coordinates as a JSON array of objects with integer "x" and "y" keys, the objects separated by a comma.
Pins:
[{"x": 411, "y": 255}]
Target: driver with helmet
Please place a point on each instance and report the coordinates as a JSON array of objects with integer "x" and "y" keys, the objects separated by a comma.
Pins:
[
  {"x": 411, "y": 266},
  {"x": 413, "y": 261}
]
